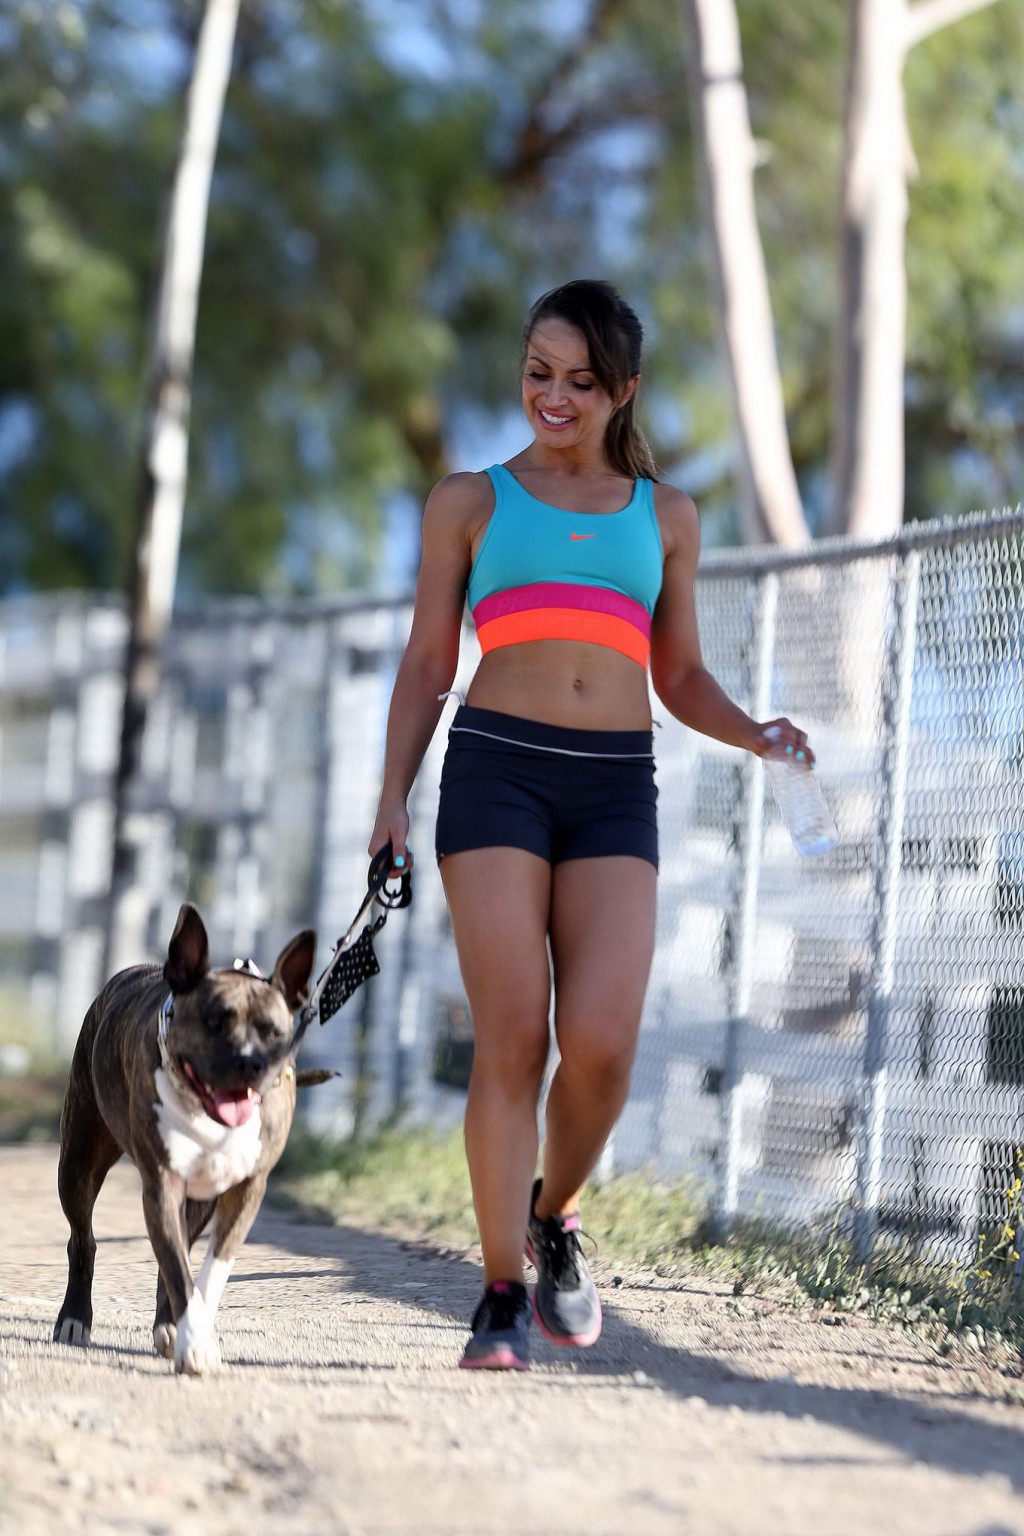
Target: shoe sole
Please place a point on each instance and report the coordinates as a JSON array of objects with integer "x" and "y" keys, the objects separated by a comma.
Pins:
[
  {"x": 497, "y": 1360},
  {"x": 569, "y": 1340}
]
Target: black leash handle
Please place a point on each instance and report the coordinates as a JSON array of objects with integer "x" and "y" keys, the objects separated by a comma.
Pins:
[{"x": 377, "y": 887}]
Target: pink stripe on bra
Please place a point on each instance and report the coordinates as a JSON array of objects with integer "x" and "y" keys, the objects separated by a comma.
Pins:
[{"x": 562, "y": 594}]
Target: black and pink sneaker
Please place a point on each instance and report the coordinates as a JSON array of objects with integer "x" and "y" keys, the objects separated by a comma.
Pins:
[
  {"x": 500, "y": 1339},
  {"x": 565, "y": 1299}
]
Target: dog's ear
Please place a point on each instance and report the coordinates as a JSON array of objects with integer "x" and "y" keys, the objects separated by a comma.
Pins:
[
  {"x": 188, "y": 954},
  {"x": 294, "y": 966}
]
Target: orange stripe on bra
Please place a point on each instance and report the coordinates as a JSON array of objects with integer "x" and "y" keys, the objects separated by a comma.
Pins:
[{"x": 565, "y": 624}]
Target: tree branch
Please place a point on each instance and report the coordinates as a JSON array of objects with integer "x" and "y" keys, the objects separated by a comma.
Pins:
[
  {"x": 537, "y": 139},
  {"x": 930, "y": 16}
]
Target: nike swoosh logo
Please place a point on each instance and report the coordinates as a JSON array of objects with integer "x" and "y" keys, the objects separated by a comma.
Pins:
[{"x": 583, "y": 535}]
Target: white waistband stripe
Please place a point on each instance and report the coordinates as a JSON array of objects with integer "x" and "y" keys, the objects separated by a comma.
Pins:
[{"x": 532, "y": 746}]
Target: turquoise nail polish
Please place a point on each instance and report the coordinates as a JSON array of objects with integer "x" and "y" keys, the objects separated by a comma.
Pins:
[{"x": 400, "y": 861}]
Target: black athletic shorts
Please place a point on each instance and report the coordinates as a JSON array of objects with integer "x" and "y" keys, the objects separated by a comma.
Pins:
[{"x": 556, "y": 792}]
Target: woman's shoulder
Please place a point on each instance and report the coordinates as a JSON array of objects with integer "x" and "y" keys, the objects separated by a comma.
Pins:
[
  {"x": 678, "y": 518},
  {"x": 460, "y": 499}
]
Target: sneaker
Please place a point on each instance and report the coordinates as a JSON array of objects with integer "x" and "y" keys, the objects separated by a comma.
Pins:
[
  {"x": 499, "y": 1341},
  {"x": 565, "y": 1300}
]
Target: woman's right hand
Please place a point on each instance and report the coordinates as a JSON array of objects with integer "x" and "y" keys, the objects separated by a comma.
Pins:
[
  {"x": 781, "y": 735},
  {"x": 392, "y": 825}
]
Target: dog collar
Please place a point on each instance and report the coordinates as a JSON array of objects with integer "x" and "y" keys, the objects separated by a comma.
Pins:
[{"x": 167, "y": 1061}]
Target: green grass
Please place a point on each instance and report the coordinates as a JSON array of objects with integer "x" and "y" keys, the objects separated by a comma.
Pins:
[
  {"x": 964, "y": 1309},
  {"x": 416, "y": 1182},
  {"x": 398, "y": 1179},
  {"x": 19, "y": 1025},
  {"x": 32, "y": 1093},
  {"x": 30, "y": 1105}
]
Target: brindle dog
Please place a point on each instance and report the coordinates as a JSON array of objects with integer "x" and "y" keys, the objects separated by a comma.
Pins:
[{"x": 189, "y": 1071}]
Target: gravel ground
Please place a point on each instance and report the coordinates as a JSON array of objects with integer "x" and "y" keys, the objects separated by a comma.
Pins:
[{"x": 339, "y": 1410}]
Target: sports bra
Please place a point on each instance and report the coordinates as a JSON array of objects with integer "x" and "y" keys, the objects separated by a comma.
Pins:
[{"x": 542, "y": 573}]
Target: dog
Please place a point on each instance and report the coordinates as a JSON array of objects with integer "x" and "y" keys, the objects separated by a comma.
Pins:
[{"x": 189, "y": 1071}]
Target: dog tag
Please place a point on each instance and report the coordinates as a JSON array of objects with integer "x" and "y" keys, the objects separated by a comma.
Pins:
[{"x": 348, "y": 972}]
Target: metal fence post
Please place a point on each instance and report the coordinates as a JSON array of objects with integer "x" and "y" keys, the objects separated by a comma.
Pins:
[
  {"x": 330, "y": 1112},
  {"x": 760, "y": 653},
  {"x": 898, "y": 688}
]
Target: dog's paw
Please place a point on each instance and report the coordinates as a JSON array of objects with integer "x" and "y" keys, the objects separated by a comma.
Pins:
[
  {"x": 70, "y": 1331},
  {"x": 199, "y": 1359},
  {"x": 163, "y": 1339},
  {"x": 196, "y": 1352}
]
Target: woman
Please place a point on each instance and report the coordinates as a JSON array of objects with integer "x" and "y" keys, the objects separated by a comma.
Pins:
[{"x": 579, "y": 568}]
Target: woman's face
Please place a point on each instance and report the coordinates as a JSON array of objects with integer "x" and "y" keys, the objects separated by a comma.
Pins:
[{"x": 564, "y": 404}]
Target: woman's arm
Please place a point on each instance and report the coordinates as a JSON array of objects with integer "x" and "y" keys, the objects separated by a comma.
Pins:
[
  {"x": 680, "y": 678},
  {"x": 431, "y": 657}
]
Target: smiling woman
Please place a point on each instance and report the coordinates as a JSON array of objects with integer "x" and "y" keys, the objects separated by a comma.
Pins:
[
  {"x": 579, "y": 570},
  {"x": 581, "y": 369}
]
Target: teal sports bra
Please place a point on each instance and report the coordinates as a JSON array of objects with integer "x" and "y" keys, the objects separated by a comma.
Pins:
[{"x": 542, "y": 573}]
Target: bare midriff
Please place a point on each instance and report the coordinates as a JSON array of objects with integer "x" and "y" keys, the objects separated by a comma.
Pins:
[{"x": 562, "y": 682}]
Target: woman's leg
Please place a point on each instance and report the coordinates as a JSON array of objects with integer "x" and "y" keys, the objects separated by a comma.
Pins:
[
  {"x": 500, "y": 900},
  {"x": 602, "y": 943}
]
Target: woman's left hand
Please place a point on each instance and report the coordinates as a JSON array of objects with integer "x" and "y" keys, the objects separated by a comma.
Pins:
[{"x": 783, "y": 736}]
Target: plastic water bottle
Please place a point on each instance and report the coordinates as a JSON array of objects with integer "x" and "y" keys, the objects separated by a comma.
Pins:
[{"x": 798, "y": 796}]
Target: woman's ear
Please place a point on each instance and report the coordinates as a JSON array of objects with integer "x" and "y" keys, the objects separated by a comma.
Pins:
[{"x": 628, "y": 393}]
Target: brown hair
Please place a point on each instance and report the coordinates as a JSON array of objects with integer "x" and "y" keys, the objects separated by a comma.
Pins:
[{"x": 614, "y": 338}]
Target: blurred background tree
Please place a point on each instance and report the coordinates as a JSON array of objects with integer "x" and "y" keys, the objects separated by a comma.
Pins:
[{"x": 396, "y": 179}]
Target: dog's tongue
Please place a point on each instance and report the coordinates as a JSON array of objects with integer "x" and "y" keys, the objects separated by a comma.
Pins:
[
  {"x": 231, "y": 1106},
  {"x": 230, "y": 1110}
]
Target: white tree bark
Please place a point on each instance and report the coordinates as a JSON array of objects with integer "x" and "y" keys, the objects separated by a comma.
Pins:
[
  {"x": 868, "y": 467},
  {"x": 868, "y": 453},
  {"x": 165, "y": 450},
  {"x": 930, "y": 16},
  {"x": 770, "y": 506},
  {"x": 177, "y": 307},
  {"x": 868, "y": 443}
]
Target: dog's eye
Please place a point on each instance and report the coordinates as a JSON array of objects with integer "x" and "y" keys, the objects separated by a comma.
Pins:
[{"x": 217, "y": 1020}]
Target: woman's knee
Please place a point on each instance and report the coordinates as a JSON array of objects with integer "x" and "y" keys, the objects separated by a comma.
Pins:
[
  {"x": 511, "y": 1050},
  {"x": 599, "y": 1052}
]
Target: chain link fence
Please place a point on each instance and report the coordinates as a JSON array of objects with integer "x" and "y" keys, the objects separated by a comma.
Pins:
[{"x": 844, "y": 1034}]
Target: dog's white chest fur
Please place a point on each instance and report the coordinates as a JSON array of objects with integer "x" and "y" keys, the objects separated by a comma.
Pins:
[{"x": 209, "y": 1157}]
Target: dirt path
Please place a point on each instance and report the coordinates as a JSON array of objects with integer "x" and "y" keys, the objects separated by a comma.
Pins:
[{"x": 339, "y": 1411}]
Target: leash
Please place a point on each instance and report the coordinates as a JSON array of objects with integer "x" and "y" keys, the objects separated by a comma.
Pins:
[{"x": 353, "y": 960}]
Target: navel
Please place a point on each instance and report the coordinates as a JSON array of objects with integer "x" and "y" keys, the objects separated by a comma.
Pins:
[{"x": 577, "y": 683}]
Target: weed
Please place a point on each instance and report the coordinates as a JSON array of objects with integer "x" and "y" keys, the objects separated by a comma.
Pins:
[{"x": 415, "y": 1181}]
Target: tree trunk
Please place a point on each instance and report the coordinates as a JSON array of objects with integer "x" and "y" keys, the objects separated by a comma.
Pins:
[
  {"x": 868, "y": 455},
  {"x": 770, "y": 506},
  {"x": 868, "y": 452},
  {"x": 165, "y": 460}
]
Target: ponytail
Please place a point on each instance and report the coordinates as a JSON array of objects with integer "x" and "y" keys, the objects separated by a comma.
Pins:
[{"x": 626, "y": 446}]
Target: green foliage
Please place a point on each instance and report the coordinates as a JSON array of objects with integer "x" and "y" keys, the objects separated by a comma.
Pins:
[
  {"x": 394, "y": 182},
  {"x": 964, "y": 388}
]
